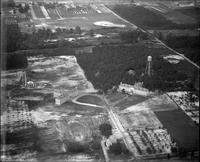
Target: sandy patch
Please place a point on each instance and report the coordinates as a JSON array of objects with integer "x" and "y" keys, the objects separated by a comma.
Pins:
[
  {"x": 159, "y": 103},
  {"x": 173, "y": 59},
  {"x": 62, "y": 72},
  {"x": 108, "y": 24}
]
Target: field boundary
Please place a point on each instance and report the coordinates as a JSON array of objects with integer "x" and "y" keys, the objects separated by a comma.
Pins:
[{"x": 161, "y": 42}]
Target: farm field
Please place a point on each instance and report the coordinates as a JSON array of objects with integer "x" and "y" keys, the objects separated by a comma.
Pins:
[
  {"x": 131, "y": 100},
  {"x": 140, "y": 119},
  {"x": 179, "y": 18},
  {"x": 157, "y": 103},
  {"x": 160, "y": 112},
  {"x": 147, "y": 133},
  {"x": 66, "y": 16},
  {"x": 148, "y": 19},
  {"x": 192, "y": 12},
  {"x": 114, "y": 97},
  {"x": 180, "y": 127},
  {"x": 38, "y": 12}
]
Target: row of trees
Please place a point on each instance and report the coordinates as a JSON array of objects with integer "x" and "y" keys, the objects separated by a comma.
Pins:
[
  {"x": 116, "y": 148},
  {"x": 23, "y": 9},
  {"x": 12, "y": 4},
  {"x": 15, "y": 40},
  {"x": 133, "y": 36},
  {"x": 8, "y": 4}
]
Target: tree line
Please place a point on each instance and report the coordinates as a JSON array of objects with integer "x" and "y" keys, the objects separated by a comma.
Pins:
[{"x": 15, "y": 40}]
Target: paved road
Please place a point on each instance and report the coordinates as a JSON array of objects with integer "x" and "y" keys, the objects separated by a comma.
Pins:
[{"x": 126, "y": 138}]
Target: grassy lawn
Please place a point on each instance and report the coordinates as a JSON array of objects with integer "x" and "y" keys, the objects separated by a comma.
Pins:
[
  {"x": 114, "y": 97},
  {"x": 91, "y": 100},
  {"x": 181, "y": 128}
]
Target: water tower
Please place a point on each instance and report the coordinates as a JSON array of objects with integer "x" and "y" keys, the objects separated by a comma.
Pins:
[{"x": 148, "y": 70}]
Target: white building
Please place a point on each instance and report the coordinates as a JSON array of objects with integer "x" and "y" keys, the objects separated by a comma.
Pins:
[
  {"x": 63, "y": 96},
  {"x": 134, "y": 89}
]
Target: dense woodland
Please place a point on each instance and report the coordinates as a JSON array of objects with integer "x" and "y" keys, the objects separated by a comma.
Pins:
[
  {"x": 108, "y": 66},
  {"x": 188, "y": 45},
  {"x": 14, "y": 61}
]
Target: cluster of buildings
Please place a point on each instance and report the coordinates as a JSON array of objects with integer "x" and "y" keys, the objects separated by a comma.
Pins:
[
  {"x": 156, "y": 141},
  {"x": 134, "y": 89},
  {"x": 190, "y": 108},
  {"x": 17, "y": 116}
]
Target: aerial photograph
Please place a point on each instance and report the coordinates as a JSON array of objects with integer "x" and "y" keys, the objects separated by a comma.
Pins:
[{"x": 100, "y": 80}]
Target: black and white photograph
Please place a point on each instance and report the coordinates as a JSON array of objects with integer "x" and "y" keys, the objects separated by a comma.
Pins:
[{"x": 100, "y": 80}]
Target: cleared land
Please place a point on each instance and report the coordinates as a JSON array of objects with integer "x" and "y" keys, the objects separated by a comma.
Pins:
[
  {"x": 149, "y": 19},
  {"x": 91, "y": 99},
  {"x": 114, "y": 97},
  {"x": 181, "y": 128},
  {"x": 132, "y": 100},
  {"x": 63, "y": 72},
  {"x": 68, "y": 17}
]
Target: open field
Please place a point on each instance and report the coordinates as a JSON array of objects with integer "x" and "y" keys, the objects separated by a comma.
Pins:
[
  {"x": 132, "y": 100},
  {"x": 91, "y": 99},
  {"x": 66, "y": 16},
  {"x": 192, "y": 12},
  {"x": 162, "y": 112},
  {"x": 181, "y": 128},
  {"x": 148, "y": 19},
  {"x": 157, "y": 103},
  {"x": 114, "y": 97},
  {"x": 140, "y": 119},
  {"x": 147, "y": 133}
]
